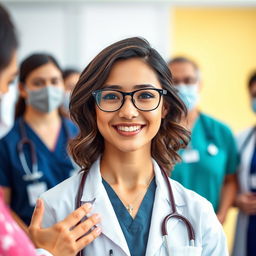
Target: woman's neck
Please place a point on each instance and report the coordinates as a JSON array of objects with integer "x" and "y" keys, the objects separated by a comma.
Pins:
[
  {"x": 37, "y": 118},
  {"x": 127, "y": 169}
]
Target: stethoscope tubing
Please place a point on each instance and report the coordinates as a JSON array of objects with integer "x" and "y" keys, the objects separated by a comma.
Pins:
[
  {"x": 173, "y": 215},
  {"x": 35, "y": 174}
]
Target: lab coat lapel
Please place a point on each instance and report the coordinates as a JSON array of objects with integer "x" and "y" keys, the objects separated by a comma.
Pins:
[
  {"x": 161, "y": 209},
  {"x": 95, "y": 192}
]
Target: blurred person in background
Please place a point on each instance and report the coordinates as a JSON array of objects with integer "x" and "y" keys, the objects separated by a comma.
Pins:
[
  {"x": 33, "y": 154},
  {"x": 210, "y": 160},
  {"x": 70, "y": 77},
  {"x": 13, "y": 241},
  {"x": 245, "y": 239}
]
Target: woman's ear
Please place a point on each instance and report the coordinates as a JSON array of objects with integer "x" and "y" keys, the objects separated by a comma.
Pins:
[
  {"x": 22, "y": 90},
  {"x": 165, "y": 110}
]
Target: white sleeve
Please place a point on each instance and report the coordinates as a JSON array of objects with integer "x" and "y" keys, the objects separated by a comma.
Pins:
[
  {"x": 214, "y": 239},
  {"x": 42, "y": 252}
]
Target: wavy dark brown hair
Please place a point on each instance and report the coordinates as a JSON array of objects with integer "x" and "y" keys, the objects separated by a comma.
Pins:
[{"x": 89, "y": 144}]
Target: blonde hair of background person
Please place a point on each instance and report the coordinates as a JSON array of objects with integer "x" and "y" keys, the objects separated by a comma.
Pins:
[
  {"x": 210, "y": 161},
  {"x": 245, "y": 239},
  {"x": 59, "y": 239},
  {"x": 128, "y": 114}
]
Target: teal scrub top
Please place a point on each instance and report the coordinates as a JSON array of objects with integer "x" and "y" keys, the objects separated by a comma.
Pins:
[
  {"x": 135, "y": 230},
  {"x": 210, "y": 156}
]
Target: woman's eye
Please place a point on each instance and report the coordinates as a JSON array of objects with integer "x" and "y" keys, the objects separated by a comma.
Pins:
[
  {"x": 110, "y": 96},
  {"x": 38, "y": 84},
  {"x": 146, "y": 95}
]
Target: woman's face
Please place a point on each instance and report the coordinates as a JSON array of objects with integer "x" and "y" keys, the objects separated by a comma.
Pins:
[
  {"x": 8, "y": 74},
  {"x": 129, "y": 129},
  {"x": 42, "y": 76}
]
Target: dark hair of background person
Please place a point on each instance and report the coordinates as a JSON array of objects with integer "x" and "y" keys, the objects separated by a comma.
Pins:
[
  {"x": 8, "y": 38},
  {"x": 89, "y": 143},
  {"x": 252, "y": 80},
  {"x": 28, "y": 65},
  {"x": 69, "y": 71},
  {"x": 180, "y": 59}
]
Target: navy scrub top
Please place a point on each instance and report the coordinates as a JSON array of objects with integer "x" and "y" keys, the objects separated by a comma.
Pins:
[
  {"x": 55, "y": 165},
  {"x": 135, "y": 230}
]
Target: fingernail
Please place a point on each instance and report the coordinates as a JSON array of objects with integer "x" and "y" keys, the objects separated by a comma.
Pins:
[
  {"x": 98, "y": 230},
  {"x": 38, "y": 203},
  {"x": 96, "y": 216},
  {"x": 88, "y": 206}
]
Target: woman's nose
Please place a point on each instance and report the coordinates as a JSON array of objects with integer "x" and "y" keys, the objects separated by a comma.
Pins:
[{"x": 128, "y": 110}]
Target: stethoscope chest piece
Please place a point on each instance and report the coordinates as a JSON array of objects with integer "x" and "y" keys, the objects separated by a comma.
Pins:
[{"x": 212, "y": 149}]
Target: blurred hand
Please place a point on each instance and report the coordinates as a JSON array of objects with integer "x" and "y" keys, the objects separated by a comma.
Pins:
[
  {"x": 247, "y": 203},
  {"x": 221, "y": 217},
  {"x": 64, "y": 238}
]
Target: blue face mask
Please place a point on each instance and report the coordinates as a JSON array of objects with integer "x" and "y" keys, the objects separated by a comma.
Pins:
[
  {"x": 253, "y": 105},
  {"x": 188, "y": 94}
]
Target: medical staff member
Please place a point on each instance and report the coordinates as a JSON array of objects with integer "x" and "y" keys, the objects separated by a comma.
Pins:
[
  {"x": 210, "y": 161},
  {"x": 245, "y": 240},
  {"x": 13, "y": 241},
  {"x": 33, "y": 154},
  {"x": 128, "y": 114}
]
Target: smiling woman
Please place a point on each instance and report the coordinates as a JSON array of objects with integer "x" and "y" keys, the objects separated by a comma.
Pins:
[{"x": 129, "y": 116}]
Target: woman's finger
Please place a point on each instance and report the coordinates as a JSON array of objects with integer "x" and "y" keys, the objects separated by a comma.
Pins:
[
  {"x": 38, "y": 213},
  {"x": 85, "y": 240},
  {"x": 73, "y": 218},
  {"x": 85, "y": 226}
]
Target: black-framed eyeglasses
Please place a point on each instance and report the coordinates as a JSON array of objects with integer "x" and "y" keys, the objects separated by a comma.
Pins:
[{"x": 111, "y": 100}]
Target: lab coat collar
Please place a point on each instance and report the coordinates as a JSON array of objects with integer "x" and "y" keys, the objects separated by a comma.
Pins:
[
  {"x": 162, "y": 186},
  {"x": 95, "y": 192},
  {"x": 161, "y": 208}
]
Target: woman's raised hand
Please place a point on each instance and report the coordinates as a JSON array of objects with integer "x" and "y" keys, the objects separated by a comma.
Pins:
[{"x": 67, "y": 237}]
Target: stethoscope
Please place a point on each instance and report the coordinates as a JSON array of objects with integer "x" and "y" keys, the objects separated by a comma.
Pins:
[
  {"x": 34, "y": 174},
  {"x": 173, "y": 215}
]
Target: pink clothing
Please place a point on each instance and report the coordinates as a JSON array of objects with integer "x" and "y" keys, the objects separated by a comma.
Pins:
[{"x": 13, "y": 241}]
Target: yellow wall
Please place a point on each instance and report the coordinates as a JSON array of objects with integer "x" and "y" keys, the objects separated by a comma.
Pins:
[{"x": 223, "y": 42}]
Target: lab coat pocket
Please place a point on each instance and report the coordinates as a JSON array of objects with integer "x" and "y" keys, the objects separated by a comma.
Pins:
[{"x": 185, "y": 251}]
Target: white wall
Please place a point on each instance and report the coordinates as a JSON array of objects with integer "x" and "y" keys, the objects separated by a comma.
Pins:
[{"x": 76, "y": 32}]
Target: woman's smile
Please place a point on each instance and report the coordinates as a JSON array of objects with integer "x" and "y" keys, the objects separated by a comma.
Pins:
[{"x": 128, "y": 129}]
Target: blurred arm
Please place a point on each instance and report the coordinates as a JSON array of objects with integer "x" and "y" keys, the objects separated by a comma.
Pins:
[{"x": 228, "y": 195}]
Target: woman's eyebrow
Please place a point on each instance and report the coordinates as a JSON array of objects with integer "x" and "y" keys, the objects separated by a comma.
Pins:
[{"x": 138, "y": 86}]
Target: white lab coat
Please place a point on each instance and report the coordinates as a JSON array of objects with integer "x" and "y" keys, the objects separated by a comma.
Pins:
[
  {"x": 243, "y": 176},
  {"x": 210, "y": 239}
]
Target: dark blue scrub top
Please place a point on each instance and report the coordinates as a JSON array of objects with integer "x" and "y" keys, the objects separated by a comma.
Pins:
[
  {"x": 55, "y": 165},
  {"x": 135, "y": 230},
  {"x": 251, "y": 238}
]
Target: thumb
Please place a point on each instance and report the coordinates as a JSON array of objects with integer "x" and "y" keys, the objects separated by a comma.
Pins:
[{"x": 37, "y": 214}]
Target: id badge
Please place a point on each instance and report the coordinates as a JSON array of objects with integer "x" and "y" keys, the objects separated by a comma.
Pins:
[
  {"x": 190, "y": 156},
  {"x": 34, "y": 192},
  {"x": 253, "y": 181}
]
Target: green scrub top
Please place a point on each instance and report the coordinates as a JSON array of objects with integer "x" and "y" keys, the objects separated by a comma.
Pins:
[{"x": 210, "y": 156}]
